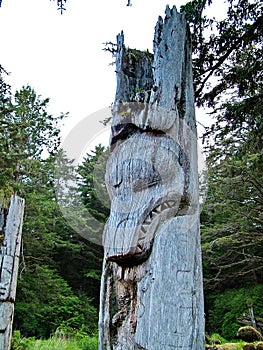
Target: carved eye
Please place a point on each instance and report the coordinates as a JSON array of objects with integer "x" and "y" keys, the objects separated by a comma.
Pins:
[
  {"x": 148, "y": 177},
  {"x": 143, "y": 185},
  {"x": 134, "y": 175}
]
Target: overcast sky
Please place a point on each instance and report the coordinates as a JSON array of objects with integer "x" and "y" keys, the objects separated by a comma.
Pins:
[{"x": 61, "y": 56}]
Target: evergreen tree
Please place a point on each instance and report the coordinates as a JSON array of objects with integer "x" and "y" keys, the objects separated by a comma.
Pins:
[
  {"x": 27, "y": 133},
  {"x": 93, "y": 193},
  {"x": 227, "y": 65},
  {"x": 51, "y": 247},
  {"x": 54, "y": 289},
  {"x": 92, "y": 185},
  {"x": 232, "y": 217},
  {"x": 220, "y": 47}
]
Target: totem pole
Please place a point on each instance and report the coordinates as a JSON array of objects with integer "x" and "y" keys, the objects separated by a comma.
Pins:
[
  {"x": 11, "y": 222},
  {"x": 151, "y": 290}
]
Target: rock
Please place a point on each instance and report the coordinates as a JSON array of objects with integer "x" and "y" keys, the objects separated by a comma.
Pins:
[
  {"x": 249, "y": 346},
  {"x": 249, "y": 334}
]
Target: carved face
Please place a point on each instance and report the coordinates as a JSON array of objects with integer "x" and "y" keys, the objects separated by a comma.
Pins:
[{"x": 145, "y": 182}]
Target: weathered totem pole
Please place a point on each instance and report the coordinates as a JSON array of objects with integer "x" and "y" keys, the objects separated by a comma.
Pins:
[
  {"x": 151, "y": 291},
  {"x": 11, "y": 221}
]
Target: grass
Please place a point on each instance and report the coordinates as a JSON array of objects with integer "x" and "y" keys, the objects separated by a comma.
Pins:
[
  {"x": 54, "y": 343},
  {"x": 238, "y": 345},
  {"x": 63, "y": 344}
]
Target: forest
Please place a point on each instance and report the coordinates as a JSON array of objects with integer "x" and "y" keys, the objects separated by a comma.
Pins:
[{"x": 59, "y": 275}]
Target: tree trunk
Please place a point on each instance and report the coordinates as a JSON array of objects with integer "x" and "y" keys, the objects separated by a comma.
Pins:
[
  {"x": 11, "y": 221},
  {"x": 151, "y": 291},
  {"x": 245, "y": 320},
  {"x": 252, "y": 316}
]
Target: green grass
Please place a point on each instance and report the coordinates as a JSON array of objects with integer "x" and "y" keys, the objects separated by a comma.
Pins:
[
  {"x": 63, "y": 344},
  {"x": 55, "y": 343},
  {"x": 239, "y": 343}
]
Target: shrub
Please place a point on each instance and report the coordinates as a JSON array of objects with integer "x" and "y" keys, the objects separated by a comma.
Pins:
[
  {"x": 20, "y": 343},
  {"x": 45, "y": 302},
  {"x": 226, "y": 307}
]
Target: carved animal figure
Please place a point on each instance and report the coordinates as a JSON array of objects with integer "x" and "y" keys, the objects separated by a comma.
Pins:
[{"x": 151, "y": 288}]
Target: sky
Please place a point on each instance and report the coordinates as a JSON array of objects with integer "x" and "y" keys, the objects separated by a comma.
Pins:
[{"x": 61, "y": 56}]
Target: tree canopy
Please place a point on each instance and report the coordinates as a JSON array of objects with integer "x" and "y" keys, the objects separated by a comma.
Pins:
[
  {"x": 227, "y": 65},
  {"x": 58, "y": 284}
]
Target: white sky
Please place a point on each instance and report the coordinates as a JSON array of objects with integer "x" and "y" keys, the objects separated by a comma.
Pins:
[{"x": 61, "y": 56}]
